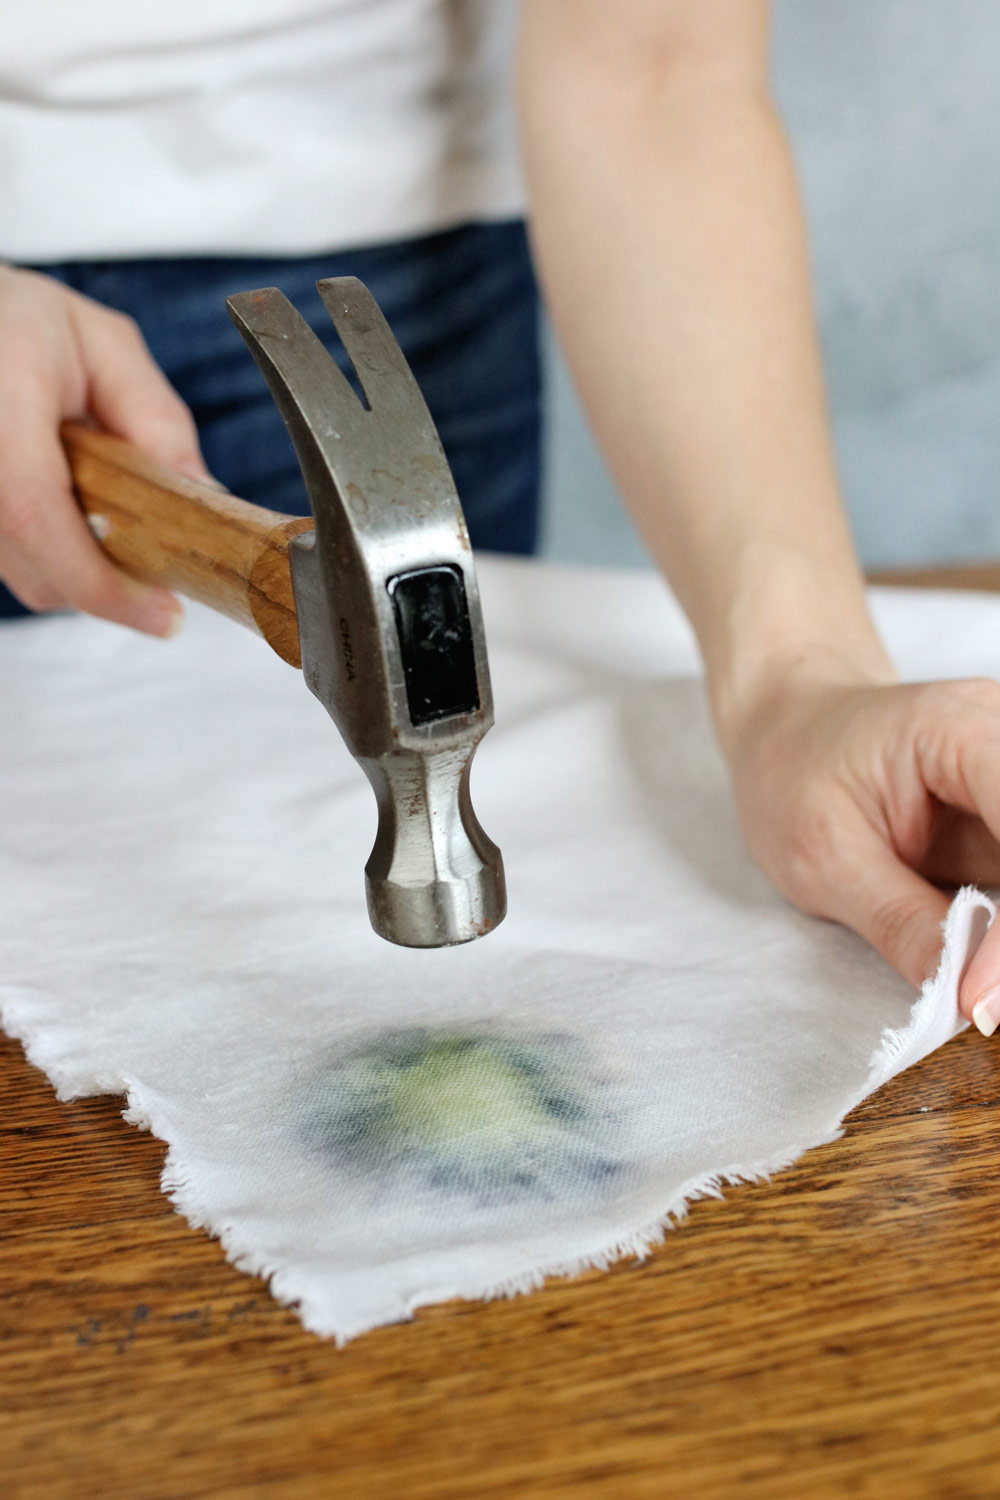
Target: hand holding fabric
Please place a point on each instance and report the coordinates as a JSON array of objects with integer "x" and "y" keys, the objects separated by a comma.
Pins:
[{"x": 855, "y": 798}]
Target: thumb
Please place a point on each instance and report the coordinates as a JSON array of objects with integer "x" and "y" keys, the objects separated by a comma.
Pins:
[
  {"x": 897, "y": 911},
  {"x": 129, "y": 394}
]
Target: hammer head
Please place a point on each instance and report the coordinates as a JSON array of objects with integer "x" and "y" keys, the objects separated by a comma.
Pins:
[{"x": 388, "y": 608}]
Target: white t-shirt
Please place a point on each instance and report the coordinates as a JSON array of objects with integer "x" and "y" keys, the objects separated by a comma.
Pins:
[{"x": 242, "y": 126}]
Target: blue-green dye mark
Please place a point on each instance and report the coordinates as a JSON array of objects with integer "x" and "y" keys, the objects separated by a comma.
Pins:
[{"x": 495, "y": 1115}]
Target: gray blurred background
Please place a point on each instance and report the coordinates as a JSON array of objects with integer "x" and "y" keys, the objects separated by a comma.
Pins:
[{"x": 893, "y": 107}]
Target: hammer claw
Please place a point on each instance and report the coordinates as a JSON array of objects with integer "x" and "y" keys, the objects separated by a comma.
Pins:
[
  {"x": 308, "y": 386},
  {"x": 383, "y": 374}
]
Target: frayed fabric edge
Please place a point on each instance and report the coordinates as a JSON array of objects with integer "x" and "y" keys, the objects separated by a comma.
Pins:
[
  {"x": 933, "y": 1019},
  {"x": 179, "y": 1186},
  {"x": 48, "y": 1048}
]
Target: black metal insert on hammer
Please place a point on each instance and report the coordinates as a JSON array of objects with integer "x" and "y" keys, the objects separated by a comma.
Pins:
[{"x": 435, "y": 640}]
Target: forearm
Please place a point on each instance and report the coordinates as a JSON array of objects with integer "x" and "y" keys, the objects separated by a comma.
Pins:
[{"x": 669, "y": 236}]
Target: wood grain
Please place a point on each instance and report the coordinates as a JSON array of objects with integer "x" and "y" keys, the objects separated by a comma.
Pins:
[
  {"x": 834, "y": 1333},
  {"x": 165, "y": 528},
  {"x": 972, "y": 575}
]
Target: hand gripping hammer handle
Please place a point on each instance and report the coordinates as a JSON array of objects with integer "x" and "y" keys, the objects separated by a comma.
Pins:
[
  {"x": 187, "y": 536},
  {"x": 375, "y": 595}
]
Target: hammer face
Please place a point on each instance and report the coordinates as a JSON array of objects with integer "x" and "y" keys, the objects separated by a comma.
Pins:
[
  {"x": 390, "y": 624},
  {"x": 433, "y": 876}
]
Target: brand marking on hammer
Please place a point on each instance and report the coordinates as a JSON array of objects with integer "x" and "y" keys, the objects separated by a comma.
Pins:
[{"x": 345, "y": 638}]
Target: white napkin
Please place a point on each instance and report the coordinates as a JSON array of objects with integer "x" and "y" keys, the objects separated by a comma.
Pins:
[{"x": 182, "y": 919}]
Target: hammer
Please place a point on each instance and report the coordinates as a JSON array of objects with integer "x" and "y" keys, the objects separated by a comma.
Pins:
[{"x": 374, "y": 596}]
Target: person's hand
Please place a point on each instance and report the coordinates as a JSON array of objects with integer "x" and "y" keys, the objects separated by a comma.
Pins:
[
  {"x": 65, "y": 356},
  {"x": 856, "y": 799}
]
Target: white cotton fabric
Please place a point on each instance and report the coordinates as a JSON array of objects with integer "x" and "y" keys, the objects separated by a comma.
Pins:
[
  {"x": 182, "y": 920},
  {"x": 244, "y": 126}
]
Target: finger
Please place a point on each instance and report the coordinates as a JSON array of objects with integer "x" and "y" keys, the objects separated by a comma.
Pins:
[
  {"x": 959, "y": 765},
  {"x": 958, "y": 747},
  {"x": 898, "y": 912},
  {"x": 130, "y": 395},
  {"x": 48, "y": 556},
  {"x": 979, "y": 992}
]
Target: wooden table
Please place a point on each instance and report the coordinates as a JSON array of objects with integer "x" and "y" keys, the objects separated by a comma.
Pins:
[{"x": 835, "y": 1333}]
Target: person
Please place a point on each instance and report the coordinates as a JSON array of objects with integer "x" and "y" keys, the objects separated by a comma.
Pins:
[{"x": 667, "y": 230}]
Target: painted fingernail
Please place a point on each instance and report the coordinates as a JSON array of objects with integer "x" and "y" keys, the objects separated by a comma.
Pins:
[
  {"x": 158, "y": 611},
  {"x": 175, "y": 622},
  {"x": 986, "y": 1012},
  {"x": 163, "y": 616}
]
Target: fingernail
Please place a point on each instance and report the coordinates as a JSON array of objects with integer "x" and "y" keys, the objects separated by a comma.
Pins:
[
  {"x": 175, "y": 622},
  {"x": 100, "y": 526},
  {"x": 162, "y": 616},
  {"x": 986, "y": 1012},
  {"x": 158, "y": 612}
]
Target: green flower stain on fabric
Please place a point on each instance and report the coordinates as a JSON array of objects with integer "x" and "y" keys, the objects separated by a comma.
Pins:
[{"x": 494, "y": 1114}]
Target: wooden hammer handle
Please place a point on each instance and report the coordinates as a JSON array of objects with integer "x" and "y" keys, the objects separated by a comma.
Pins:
[{"x": 164, "y": 528}]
